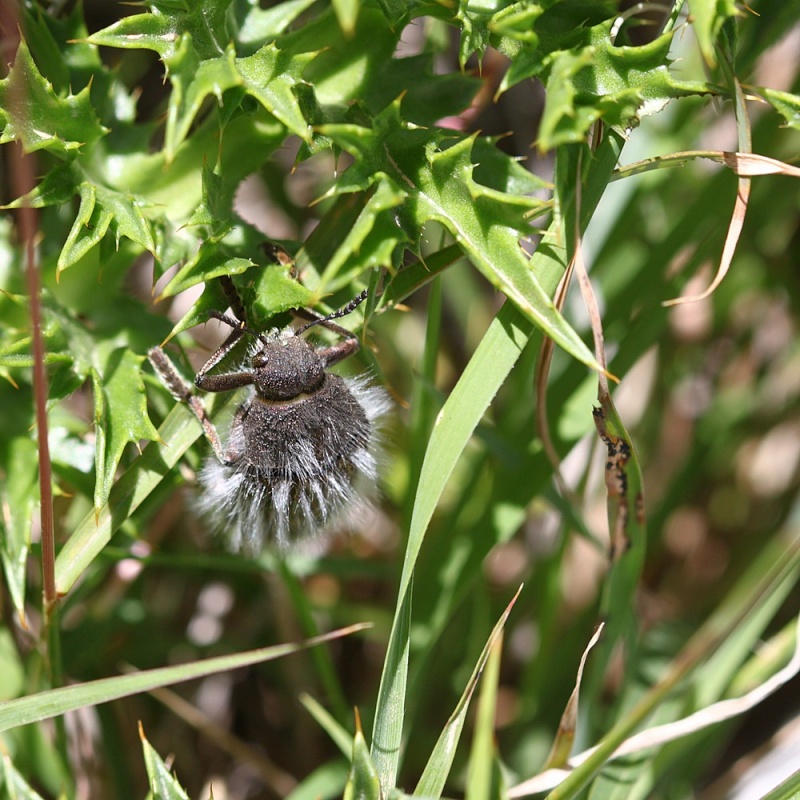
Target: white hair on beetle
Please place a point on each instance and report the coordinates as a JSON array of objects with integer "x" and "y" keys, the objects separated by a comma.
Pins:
[
  {"x": 303, "y": 448},
  {"x": 323, "y": 453}
]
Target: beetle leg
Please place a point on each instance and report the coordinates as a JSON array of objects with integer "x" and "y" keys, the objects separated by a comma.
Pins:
[{"x": 182, "y": 392}]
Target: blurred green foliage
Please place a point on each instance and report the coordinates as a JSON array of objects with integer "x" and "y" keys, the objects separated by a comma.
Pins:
[{"x": 171, "y": 142}]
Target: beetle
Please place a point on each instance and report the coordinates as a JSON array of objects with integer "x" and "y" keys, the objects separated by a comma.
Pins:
[{"x": 303, "y": 448}]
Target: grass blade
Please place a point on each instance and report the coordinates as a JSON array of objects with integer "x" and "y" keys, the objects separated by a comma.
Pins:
[
  {"x": 54, "y": 702},
  {"x": 438, "y": 767},
  {"x": 483, "y": 752}
]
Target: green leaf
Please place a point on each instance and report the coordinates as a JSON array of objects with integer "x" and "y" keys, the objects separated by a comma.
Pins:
[
  {"x": 212, "y": 299},
  {"x": 14, "y": 785},
  {"x": 347, "y": 14},
  {"x": 54, "y": 702},
  {"x": 787, "y": 105},
  {"x": 532, "y": 33},
  {"x": 88, "y": 229},
  {"x": 272, "y": 76},
  {"x": 64, "y": 56},
  {"x": 120, "y": 414},
  {"x": 262, "y": 25},
  {"x": 338, "y": 734},
  {"x": 483, "y": 767},
  {"x": 708, "y": 17},
  {"x": 162, "y": 30},
  {"x": 32, "y": 113},
  {"x": 55, "y": 189},
  {"x": 474, "y": 20},
  {"x": 363, "y": 782},
  {"x": 438, "y": 185},
  {"x": 192, "y": 83},
  {"x": 210, "y": 261},
  {"x": 102, "y": 209},
  {"x": 194, "y": 44},
  {"x": 486, "y": 224},
  {"x": 338, "y": 78},
  {"x": 387, "y": 733},
  {"x": 277, "y": 290},
  {"x": 214, "y": 210},
  {"x": 600, "y": 80},
  {"x": 19, "y": 493},
  {"x": 434, "y": 776},
  {"x": 357, "y": 235},
  {"x": 178, "y": 432},
  {"x": 163, "y": 783}
]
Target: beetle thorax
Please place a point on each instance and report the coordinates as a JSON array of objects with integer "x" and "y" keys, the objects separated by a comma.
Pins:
[{"x": 286, "y": 367}]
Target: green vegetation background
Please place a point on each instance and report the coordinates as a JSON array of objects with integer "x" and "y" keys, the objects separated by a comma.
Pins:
[{"x": 406, "y": 148}]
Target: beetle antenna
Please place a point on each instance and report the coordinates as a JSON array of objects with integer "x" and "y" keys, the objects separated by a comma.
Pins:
[
  {"x": 237, "y": 325},
  {"x": 342, "y": 312}
]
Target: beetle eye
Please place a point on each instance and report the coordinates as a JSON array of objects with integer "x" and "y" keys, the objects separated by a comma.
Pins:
[{"x": 260, "y": 359}]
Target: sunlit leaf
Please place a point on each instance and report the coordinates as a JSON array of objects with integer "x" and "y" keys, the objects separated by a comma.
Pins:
[
  {"x": 120, "y": 414},
  {"x": 31, "y": 112}
]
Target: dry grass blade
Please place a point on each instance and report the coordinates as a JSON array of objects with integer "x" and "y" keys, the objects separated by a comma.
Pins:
[
  {"x": 562, "y": 745},
  {"x": 662, "y": 734},
  {"x": 743, "y": 164},
  {"x": 742, "y": 195}
]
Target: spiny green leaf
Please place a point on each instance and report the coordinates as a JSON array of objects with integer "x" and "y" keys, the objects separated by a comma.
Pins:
[
  {"x": 531, "y": 33},
  {"x": 277, "y": 290},
  {"x": 209, "y": 262},
  {"x": 55, "y": 189},
  {"x": 212, "y": 299},
  {"x": 213, "y": 212},
  {"x": 787, "y": 105},
  {"x": 474, "y": 30},
  {"x": 438, "y": 184},
  {"x": 161, "y": 30},
  {"x": 102, "y": 209},
  {"x": 347, "y": 14},
  {"x": 200, "y": 59},
  {"x": 345, "y": 235},
  {"x": 192, "y": 82},
  {"x": 351, "y": 256},
  {"x": 32, "y": 113},
  {"x": 619, "y": 84},
  {"x": 271, "y": 76},
  {"x": 708, "y": 16},
  {"x": 261, "y": 25},
  {"x": 487, "y": 225},
  {"x": 120, "y": 414},
  {"x": 163, "y": 784},
  {"x": 428, "y": 97},
  {"x": 563, "y": 120},
  {"x": 338, "y": 78},
  {"x": 496, "y": 170},
  {"x": 88, "y": 229},
  {"x": 517, "y": 22}
]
